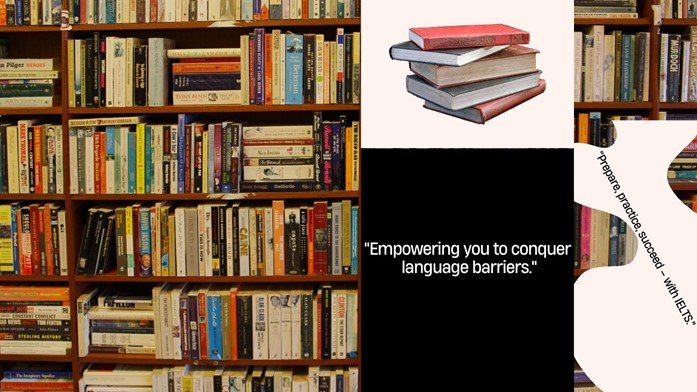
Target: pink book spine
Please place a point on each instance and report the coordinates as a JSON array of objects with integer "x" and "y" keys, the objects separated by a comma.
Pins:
[{"x": 585, "y": 237}]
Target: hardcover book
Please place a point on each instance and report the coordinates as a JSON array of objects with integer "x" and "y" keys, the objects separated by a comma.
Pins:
[
  {"x": 409, "y": 51},
  {"x": 467, "y": 36}
]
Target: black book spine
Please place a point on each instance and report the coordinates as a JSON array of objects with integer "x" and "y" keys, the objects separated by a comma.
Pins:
[
  {"x": 342, "y": 153},
  {"x": 260, "y": 242},
  {"x": 244, "y": 327},
  {"x": 166, "y": 160},
  {"x": 324, "y": 384},
  {"x": 140, "y": 79},
  {"x": 327, "y": 155},
  {"x": 30, "y": 157},
  {"x": 193, "y": 9},
  {"x": 673, "y": 68},
  {"x": 10, "y": 14},
  {"x": 336, "y": 156},
  {"x": 215, "y": 240},
  {"x": 218, "y": 383},
  {"x": 326, "y": 322},
  {"x": 102, "y": 72},
  {"x": 42, "y": 241},
  {"x": 198, "y": 159},
  {"x": 99, "y": 223},
  {"x": 235, "y": 161},
  {"x": 26, "y": 12},
  {"x": 303, "y": 241},
  {"x": 329, "y": 239},
  {"x": 226, "y": 166},
  {"x": 348, "y": 67},
  {"x": 295, "y": 186},
  {"x": 268, "y": 384},
  {"x": 3, "y": 157},
  {"x": 292, "y": 243},
  {"x": 55, "y": 243},
  {"x": 306, "y": 335},
  {"x": 192, "y": 306},
  {"x": 235, "y": 241},
  {"x": 222, "y": 238},
  {"x": 257, "y": 384},
  {"x": 96, "y": 69},
  {"x": 604, "y": 142},
  {"x": 89, "y": 73},
  {"x": 309, "y": 61},
  {"x": 106, "y": 254}
]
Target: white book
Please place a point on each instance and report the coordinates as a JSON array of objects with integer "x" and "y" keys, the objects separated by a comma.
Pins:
[
  {"x": 268, "y": 241},
  {"x": 341, "y": 324},
  {"x": 29, "y": 350},
  {"x": 173, "y": 158},
  {"x": 157, "y": 320},
  {"x": 663, "y": 69},
  {"x": 588, "y": 61},
  {"x": 253, "y": 261},
  {"x": 165, "y": 310},
  {"x": 89, "y": 161},
  {"x": 260, "y": 333},
  {"x": 177, "y": 11},
  {"x": 685, "y": 69},
  {"x": 201, "y": 10},
  {"x": 244, "y": 66},
  {"x": 319, "y": 68},
  {"x": 110, "y": 45},
  {"x": 295, "y": 315},
  {"x": 285, "y": 8},
  {"x": 207, "y": 97},
  {"x": 229, "y": 243},
  {"x": 84, "y": 303},
  {"x": 125, "y": 11},
  {"x": 34, "y": 316},
  {"x": 128, "y": 95},
  {"x": 297, "y": 10},
  {"x": 609, "y": 69},
  {"x": 313, "y": 378},
  {"x": 283, "y": 67},
  {"x": 119, "y": 10},
  {"x": 158, "y": 70},
  {"x": 276, "y": 66},
  {"x": 120, "y": 72},
  {"x": 175, "y": 315},
  {"x": 63, "y": 243},
  {"x": 598, "y": 32},
  {"x": 243, "y": 236},
  {"x": 207, "y": 240},
  {"x": 276, "y": 301},
  {"x": 180, "y": 225},
  {"x": 156, "y": 385},
  {"x": 72, "y": 151},
  {"x": 185, "y": 11},
  {"x": 337, "y": 248},
  {"x": 351, "y": 322},
  {"x": 201, "y": 240},
  {"x": 353, "y": 379},
  {"x": 99, "y": 388},
  {"x": 121, "y": 375},
  {"x": 286, "y": 325},
  {"x": 161, "y": 10},
  {"x": 98, "y": 313},
  {"x": 122, "y": 339},
  {"x": 13, "y": 159},
  {"x": 287, "y": 380},
  {"x": 214, "y": 9},
  {"x": 23, "y": 102},
  {"x": 59, "y": 159}
]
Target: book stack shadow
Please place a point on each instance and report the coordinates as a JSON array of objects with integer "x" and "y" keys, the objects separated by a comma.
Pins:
[{"x": 473, "y": 72}]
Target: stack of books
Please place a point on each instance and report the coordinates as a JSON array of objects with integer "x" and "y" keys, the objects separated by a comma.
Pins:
[
  {"x": 474, "y": 72},
  {"x": 684, "y": 166},
  {"x": 206, "y": 76},
  {"x": 122, "y": 322},
  {"x": 617, "y": 8},
  {"x": 37, "y": 376},
  {"x": 35, "y": 320},
  {"x": 28, "y": 82}
]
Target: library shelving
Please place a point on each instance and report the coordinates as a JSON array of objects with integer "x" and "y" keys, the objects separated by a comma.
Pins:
[{"x": 52, "y": 42}]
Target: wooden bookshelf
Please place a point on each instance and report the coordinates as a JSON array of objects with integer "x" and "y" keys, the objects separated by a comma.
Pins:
[
  {"x": 644, "y": 22},
  {"x": 677, "y": 185},
  {"x": 35, "y": 38}
]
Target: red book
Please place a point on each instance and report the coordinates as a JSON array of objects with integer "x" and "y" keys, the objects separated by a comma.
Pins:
[
  {"x": 467, "y": 36},
  {"x": 486, "y": 111},
  {"x": 268, "y": 70},
  {"x": 320, "y": 238},
  {"x": 48, "y": 240},
  {"x": 202, "y": 325},
  {"x": 585, "y": 237},
  {"x": 310, "y": 240},
  {"x": 24, "y": 240},
  {"x": 38, "y": 158}
]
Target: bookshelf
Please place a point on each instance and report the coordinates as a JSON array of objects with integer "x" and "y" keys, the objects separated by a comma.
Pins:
[{"x": 51, "y": 41}]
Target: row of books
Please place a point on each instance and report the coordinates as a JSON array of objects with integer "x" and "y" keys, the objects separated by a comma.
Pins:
[
  {"x": 606, "y": 8},
  {"x": 612, "y": 67},
  {"x": 135, "y": 378},
  {"x": 684, "y": 166},
  {"x": 127, "y": 155},
  {"x": 214, "y": 322},
  {"x": 674, "y": 9},
  {"x": 40, "y": 376},
  {"x": 602, "y": 239},
  {"x": 678, "y": 67},
  {"x": 31, "y": 157},
  {"x": 33, "y": 240},
  {"x": 148, "y": 11},
  {"x": 285, "y": 68},
  {"x": 28, "y": 12},
  {"x": 28, "y": 82},
  {"x": 219, "y": 239},
  {"x": 598, "y": 130},
  {"x": 34, "y": 320}
]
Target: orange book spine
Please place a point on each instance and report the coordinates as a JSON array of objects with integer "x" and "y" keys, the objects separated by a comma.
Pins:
[
  {"x": 38, "y": 158},
  {"x": 279, "y": 259},
  {"x": 206, "y": 67},
  {"x": 583, "y": 132},
  {"x": 264, "y": 10},
  {"x": 306, "y": 9},
  {"x": 3, "y": 13},
  {"x": 268, "y": 69}
]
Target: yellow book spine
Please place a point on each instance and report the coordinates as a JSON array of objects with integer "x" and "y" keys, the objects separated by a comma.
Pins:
[
  {"x": 6, "y": 257},
  {"x": 129, "y": 242}
]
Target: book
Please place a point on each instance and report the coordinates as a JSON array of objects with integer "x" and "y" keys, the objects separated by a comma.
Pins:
[
  {"x": 486, "y": 111},
  {"x": 514, "y": 60},
  {"x": 409, "y": 51},
  {"x": 463, "y": 96},
  {"x": 467, "y": 36}
]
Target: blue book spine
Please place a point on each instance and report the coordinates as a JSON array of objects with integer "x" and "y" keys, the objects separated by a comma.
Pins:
[
  {"x": 211, "y": 159},
  {"x": 256, "y": 9},
  {"x": 340, "y": 9},
  {"x": 259, "y": 65},
  {"x": 145, "y": 260},
  {"x": 37, "y": 374},
  {"x": 294, "y": 69},
  {"x": 614, "y": 239},
  {"x": 19, "y": 12},
  {"x": 627, "y": 59},
  {"x": 148, "y": 158},
  {"x": 110, "y": 132},
  {"x": 194, "y": 352},
  {"x": 215, "y": 337},
  {"x": 131, "y": 162},
  {"x": 339, "y": 382},
  {"x": 203, "y": 81},
  {"x": 354, "y": 240},
  {"x": 76, "y": 12},
  {"x": 110, "y": 11},
  {"x": 15, "y": 238},
  {"x": 686, "y": 174}
]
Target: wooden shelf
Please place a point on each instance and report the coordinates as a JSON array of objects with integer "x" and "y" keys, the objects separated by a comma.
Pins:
[
  {"x": 214, "y": 109},
  {"x": 683, "y": 185},
  {"x": 612, "y": 21},
  {"x": 578, "y": 272},
  {"x": 227, "y": 24},
  {"x": 137, "y": 359},
  {"x": 36, "y": 358},
  {"x": 678, "y": 105},
  {"x": 30, "y": 111},
  {"x": 31, "y": 197},
  {"x": 219, "y": 196},
  {"x": 612, "y": 105},
  {"x": 30, "y": 29},
  {"x": 679, "y": 22},
  {"x": 113, "y": 277},
  {"x": 32, "y": 278}
]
